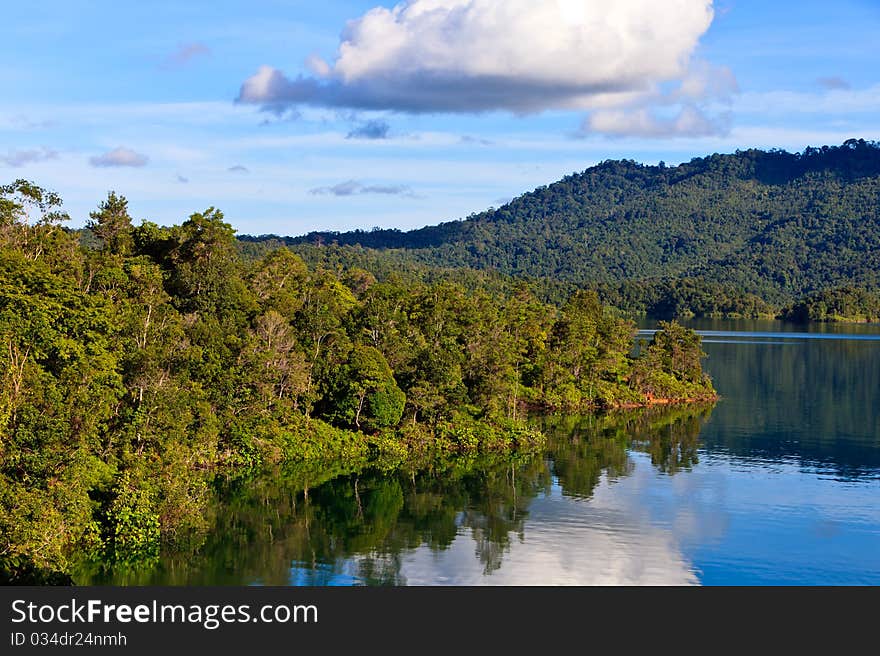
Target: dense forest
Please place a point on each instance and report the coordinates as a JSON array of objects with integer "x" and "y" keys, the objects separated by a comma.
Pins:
[
  {"x": 842, "y": 304},
  {"x": 725, "y": 235},
  {"x": 135, "y": 358}
]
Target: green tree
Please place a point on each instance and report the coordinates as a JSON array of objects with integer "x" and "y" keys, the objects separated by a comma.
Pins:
[
  {"x": 205, "y": 270},
  {"x": 364, "y": 394},
  {"x": 587, "y": 358},
  {"x": 111, "y": 224},
  {"x": 670, "y": 367},
  {"x": 278, "y": 281}
]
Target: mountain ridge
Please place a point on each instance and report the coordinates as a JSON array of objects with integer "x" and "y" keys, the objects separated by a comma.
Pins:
[{"x": 772, "y": 224}]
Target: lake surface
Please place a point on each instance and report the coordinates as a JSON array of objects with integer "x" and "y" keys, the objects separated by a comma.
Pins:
[{"x": 778, "y": 483}]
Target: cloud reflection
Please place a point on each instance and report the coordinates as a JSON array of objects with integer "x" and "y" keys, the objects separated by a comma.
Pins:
[{"x": 606, "y": 540}]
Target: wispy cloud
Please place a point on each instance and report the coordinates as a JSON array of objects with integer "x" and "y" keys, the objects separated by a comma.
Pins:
[
  {"x": 376, "y": 129},
  {"x": 467, "y": 139},
  {"x": 18, "y": 158},
  {"x": 833, "y": 83},
  {"x": 185, "y": 54},
  {"x": 828, "y": 102},
  {"x": 119, "y": 157},
  {"x": 688, "y": 122},
  {"x": 21, "y": 122},
  {"x": 355, "y": 188}
]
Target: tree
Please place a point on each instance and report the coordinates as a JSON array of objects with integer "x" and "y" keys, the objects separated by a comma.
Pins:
[
  {"x": 29, "y": 220},
  {"x": 670, "y": 367},
  {"x": 320, "y": 323},
  {"x": 587, "y": 358},
  {"x": 680, "y": 351},
  {"x": 363, "y": 392},
  {"x": 206, "y": 273},
  {"x": 278, "y": 281},
  {"x": 278, "y": 368},
  {"x": 112, "y": 225}
]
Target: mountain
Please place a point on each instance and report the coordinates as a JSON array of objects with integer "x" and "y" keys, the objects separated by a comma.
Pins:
[{"x": 768, "y": 225}]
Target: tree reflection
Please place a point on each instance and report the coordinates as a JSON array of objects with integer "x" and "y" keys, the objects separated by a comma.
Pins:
[
  {"x": 310, "y": 526},
  {"x": 582, "y": 449},
  {"x": 670, "y": 437}
]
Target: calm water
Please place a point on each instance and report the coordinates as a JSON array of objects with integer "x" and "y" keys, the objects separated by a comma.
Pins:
[{"x": 779, "y": 483}]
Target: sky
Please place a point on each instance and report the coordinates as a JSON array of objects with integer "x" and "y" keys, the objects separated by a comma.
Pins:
[{"x": 295, "y": 116}]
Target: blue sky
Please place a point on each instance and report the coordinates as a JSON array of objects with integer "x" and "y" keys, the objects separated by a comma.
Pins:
[{"x": 296, "y": 116}]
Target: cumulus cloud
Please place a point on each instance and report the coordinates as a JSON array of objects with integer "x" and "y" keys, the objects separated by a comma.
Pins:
[
  {"x": 185, "y": 54},
  {"x": 18, "y": 158},
  {"x": 119, "y": 157},
  {"x": 355, "y": 188},
  {"x": 376, "y": 129},
  {"x": 483, "y": 55}
]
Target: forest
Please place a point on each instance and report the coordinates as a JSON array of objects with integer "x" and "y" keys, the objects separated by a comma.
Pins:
[
  {"x": 135, "y": 358},
  {"x": 848, "y": 304},
  {"x": 734, "y": 235}
]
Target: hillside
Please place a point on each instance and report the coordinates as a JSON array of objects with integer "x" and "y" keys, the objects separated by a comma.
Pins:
[{"x": 768, "y": 224}]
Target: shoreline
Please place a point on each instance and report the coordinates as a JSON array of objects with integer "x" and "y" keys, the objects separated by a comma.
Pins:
[{"x": 650, "y": 403}]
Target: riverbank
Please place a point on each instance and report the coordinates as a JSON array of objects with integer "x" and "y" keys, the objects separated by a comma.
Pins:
[{"x": 655, "y": 402}]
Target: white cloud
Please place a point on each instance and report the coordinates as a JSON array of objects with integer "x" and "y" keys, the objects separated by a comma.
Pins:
[
  {"x": 482, "y": 55},
  {"x": 611, "y": 539},
  {"x": 704, "y": 80},
  {"x": 119, "y": 157},
  {"x": 689, "y": 122},
  {"x": 22, "y": 122}
]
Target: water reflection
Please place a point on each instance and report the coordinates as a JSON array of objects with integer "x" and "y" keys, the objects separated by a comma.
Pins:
[
  {"x": 582, "y": 448},
  {"x": 815, "y": 403},
  {"x": 467, "y": 521}
]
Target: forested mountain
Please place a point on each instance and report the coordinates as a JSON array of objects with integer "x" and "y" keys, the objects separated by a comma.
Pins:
[{"x": 755, "y": 225}]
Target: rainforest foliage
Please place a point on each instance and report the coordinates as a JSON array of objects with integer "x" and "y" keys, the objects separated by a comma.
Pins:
[
  {"x": 836, "y": 305},
  {"x": 135, "y": 361},
  {"x": 746, "y": 232}
]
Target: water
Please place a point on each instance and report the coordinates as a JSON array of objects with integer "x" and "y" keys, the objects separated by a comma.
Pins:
[{"x": 778, "y": 483}]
